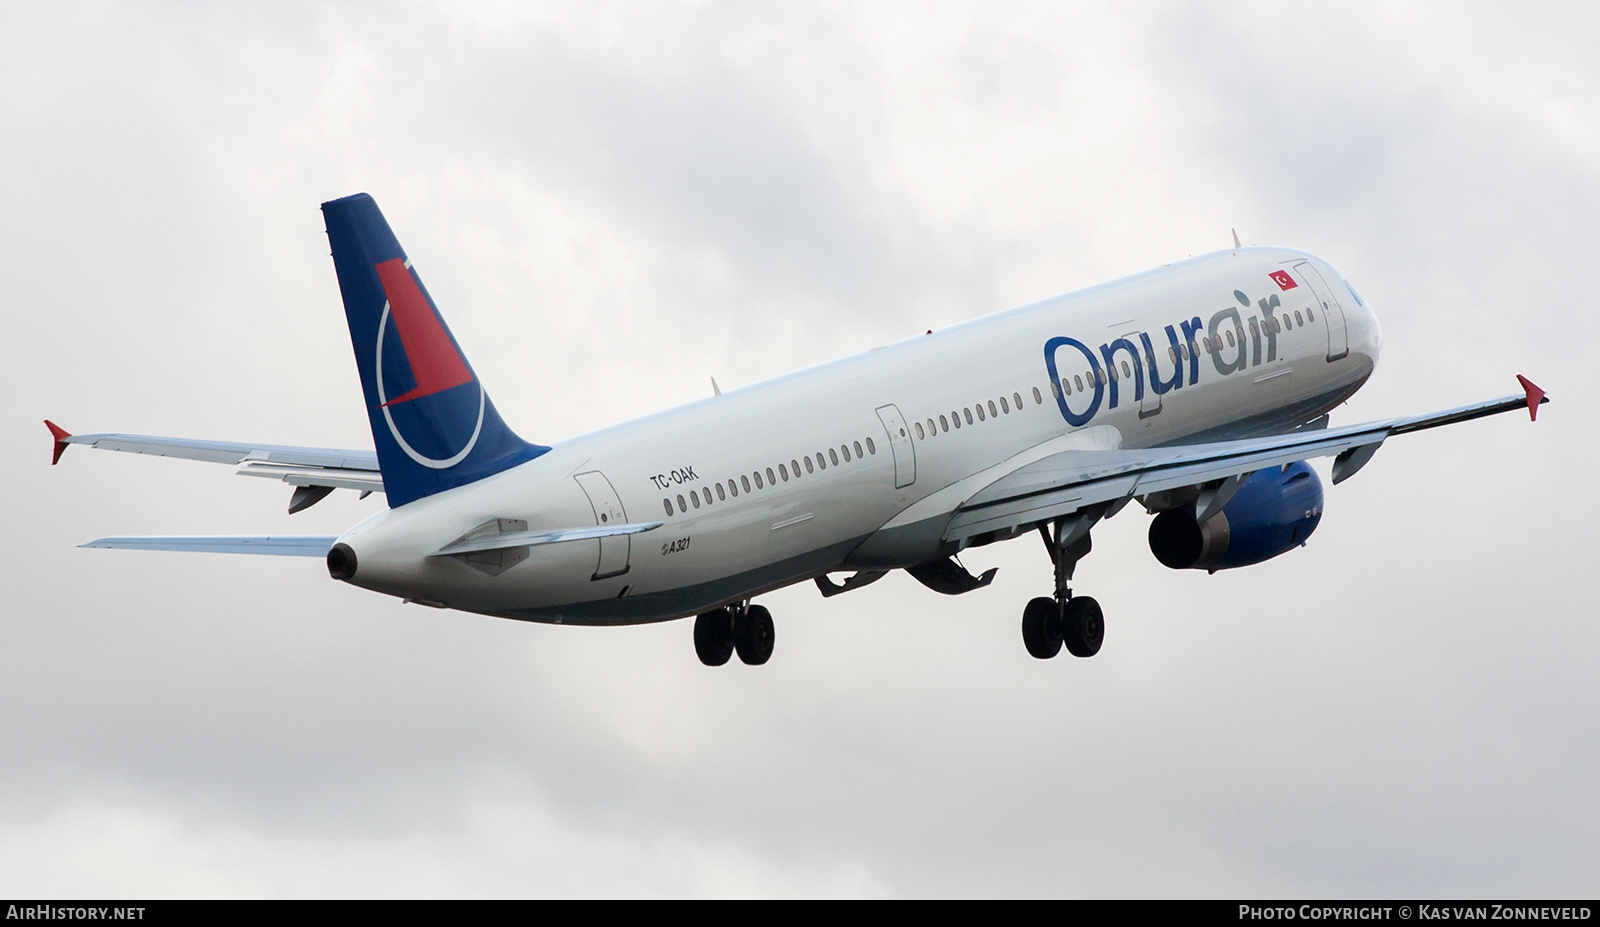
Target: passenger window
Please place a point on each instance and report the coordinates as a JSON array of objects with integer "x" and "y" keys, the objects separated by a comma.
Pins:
[
  {"x": 783, "y": 471},
  {"x": 992, "y": 412},
  {"x": 1016, "y": 400},
  {"x": 932, "y": 428},
  {"x": 919, "y": 431},
  {"x": 944, "y": 424},
  {"x": 695, "y": 498},
  {"x": 1297, "y": 319},
  {"x": 682, "y": 505},
  {"x": 1125, "y": 371},
  {"x": 980, "y": 412},
  {"x": 1004, "y": 407},
  {"x": 968, "y": 414},
  {"x": 809, "y": 468},
  {"x": 1113, "y": 374},
  {"x": 772, "y": 480},
  {"x": 794, "y": 467},
  {"x": 955, "y": 419},
  {"x": 667, "y": 504},
  {"x": 845, "y": 450},
  {"x": 871, "y": 448},
  {"x": 822, "y": 462},
  {"x": 833, "y": 456},
  {"x": 1172, "y": 354},
  {"x": 1066, "y": 387},
  {"x": 1078, "y": 380},
  {"x": 707, "y": 492},
  {"x": 733, "y": 489},
  {"x": 858, "y": 450},
  {"x": 1309, "y": 315},
  {"x": 721, "y": 496},
  {"x": 745, "y": 481},
  {"x": 1230, "y": 337}
]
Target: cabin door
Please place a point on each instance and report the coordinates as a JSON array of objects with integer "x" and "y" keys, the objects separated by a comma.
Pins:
[
  {"x": 905, "y": 456},
  {"x": 608, "y": 510},
  {"x": 1149, "y": 399},
  {"x": 1332, "y": 312}
]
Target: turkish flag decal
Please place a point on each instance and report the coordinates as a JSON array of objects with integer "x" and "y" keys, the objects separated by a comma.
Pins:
[{"x": 1282, "y": 279}]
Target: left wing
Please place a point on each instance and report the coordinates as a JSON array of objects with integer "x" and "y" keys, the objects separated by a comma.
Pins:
[
  {"x": 1072, "y": 481},
  {"x": 314, "y": 471}
]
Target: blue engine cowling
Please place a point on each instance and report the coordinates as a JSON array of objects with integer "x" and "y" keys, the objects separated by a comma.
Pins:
[{"x": 1272, "y": 513}]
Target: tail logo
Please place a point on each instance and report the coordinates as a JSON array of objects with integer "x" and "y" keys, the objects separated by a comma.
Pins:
[{"x": 437, "y": 392}]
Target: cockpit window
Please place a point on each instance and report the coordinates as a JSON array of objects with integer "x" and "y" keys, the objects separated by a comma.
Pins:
[{"x": 1353, "y": 293}]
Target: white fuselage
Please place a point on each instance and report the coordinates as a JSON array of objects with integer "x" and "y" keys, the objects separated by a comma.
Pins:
[{"x": 723, "y": 539}]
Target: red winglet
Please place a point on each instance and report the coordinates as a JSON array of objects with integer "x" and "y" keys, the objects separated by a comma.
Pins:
[
  {"x": 61, "y": 435},
  {"x": 1535, "y": 396}
]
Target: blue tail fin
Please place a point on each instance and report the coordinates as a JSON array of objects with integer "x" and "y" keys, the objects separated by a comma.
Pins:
[{"x": 432, "y": 422}]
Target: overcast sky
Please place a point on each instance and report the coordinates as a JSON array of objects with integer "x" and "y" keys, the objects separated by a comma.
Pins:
[{"x": 613, "y": 202}]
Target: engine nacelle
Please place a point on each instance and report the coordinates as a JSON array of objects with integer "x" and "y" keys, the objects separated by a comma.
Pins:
[{"x": 1272, "y": 513}]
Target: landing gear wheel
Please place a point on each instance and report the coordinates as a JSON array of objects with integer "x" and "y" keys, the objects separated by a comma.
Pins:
[
  {"x": 1083, "y": 626},
  {"x": 1041, "y": 628},
  {"x": 753, "y": 635},
  {"x": 713, "y": 637}
]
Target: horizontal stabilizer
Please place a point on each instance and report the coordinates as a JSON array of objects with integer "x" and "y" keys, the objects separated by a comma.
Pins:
[
  {"x": 513, "y": 539},
  {"x": 280, "y": 545}
]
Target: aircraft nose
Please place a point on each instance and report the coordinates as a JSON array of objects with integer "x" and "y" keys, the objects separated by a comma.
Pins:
[{"x": 1367, "y": 336}]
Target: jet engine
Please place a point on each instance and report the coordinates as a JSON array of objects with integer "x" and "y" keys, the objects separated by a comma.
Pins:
[{"x": 1273, "y": 512}]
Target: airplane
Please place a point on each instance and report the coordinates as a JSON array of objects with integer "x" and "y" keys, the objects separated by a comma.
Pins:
[{"x": 1198, "y": 389}]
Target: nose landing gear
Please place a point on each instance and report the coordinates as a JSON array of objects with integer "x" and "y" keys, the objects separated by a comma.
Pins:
[
  {"x": 746, "y": 629},
  {"x": 1077, "y": 622}
]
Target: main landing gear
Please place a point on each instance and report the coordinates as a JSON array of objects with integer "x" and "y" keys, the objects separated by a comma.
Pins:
[
  {"x": 744, "y": 628},
  {"x": 1077, "y": 622}
]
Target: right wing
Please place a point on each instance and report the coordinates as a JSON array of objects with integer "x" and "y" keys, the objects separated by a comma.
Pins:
[
  {"x": 1073, "y": 481},
  {"x": 314, "y": 471}
]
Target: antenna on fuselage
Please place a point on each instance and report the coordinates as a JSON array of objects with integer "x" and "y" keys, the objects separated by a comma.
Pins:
[
  {"x": 1236, "y": 245},
  {"x": 715, "y": 389}
]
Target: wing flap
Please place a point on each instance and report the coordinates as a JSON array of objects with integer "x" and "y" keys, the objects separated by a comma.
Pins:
[{"x": 280, "y": 545}]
